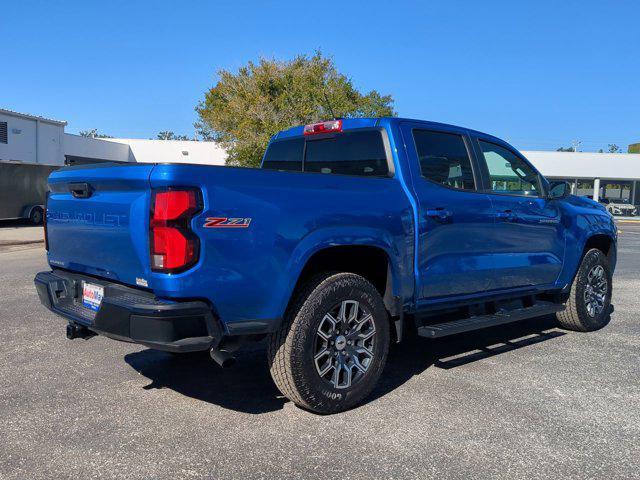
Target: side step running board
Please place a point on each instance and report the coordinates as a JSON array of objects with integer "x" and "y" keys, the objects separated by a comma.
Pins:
[{"x": 476, "y": 323}]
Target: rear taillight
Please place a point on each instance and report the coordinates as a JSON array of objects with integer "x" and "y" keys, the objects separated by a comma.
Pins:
[
  {"x": 44, "y": 222},
  {"x": 331, "y": 126},
  {"x": 173, "y": 245}
]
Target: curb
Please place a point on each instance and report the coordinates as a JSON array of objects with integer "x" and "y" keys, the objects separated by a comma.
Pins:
[{"x": 13, "y": 243}]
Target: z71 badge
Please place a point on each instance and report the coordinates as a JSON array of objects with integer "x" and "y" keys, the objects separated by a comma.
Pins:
[{"x": 223, "y": 222}]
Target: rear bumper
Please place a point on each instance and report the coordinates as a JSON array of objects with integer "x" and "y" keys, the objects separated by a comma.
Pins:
[{"x": 130, "y": 314}]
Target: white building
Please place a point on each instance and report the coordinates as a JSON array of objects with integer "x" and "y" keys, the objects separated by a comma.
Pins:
[
  {"x": 598, "y": 175},
  {"x": 167, "y": 151},
  {"x": 32, "y": 139}
]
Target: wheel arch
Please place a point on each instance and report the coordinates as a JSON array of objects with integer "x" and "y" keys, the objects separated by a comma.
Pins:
[
  {"x": 603, "y": 242},
  {"x": 370, "y": 259},
  {"x": 371, "y": 262}
]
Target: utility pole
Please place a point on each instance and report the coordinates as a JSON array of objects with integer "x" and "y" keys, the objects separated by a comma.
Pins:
[{"x": 575, "y": 144}]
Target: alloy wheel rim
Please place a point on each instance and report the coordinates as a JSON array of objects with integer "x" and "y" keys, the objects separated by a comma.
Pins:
[
  {"x": 344, "y": 344},
  {"x": 595, "y": 291}
]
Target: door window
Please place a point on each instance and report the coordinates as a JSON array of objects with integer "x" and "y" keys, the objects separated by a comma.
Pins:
[
  {"x": 508, "y": 173},
  {"x": 444, "y": 159}
]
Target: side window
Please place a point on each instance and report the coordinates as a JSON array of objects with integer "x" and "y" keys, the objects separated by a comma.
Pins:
[
  {"x": 284, "y": 155},
  {"x": 350, "y": 153},
  {"x": 508, "y": 173},
  {"x": 444, "y": 159}
]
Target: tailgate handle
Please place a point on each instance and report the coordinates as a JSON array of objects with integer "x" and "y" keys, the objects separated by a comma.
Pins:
[{"x": 80, "y": 190}]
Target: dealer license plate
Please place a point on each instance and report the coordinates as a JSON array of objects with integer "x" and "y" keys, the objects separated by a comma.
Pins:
[{"x": 92, "y": 295}]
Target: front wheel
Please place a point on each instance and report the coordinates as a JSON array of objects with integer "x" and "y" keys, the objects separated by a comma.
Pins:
[
  {"x": 588, "y": 306},
  {"x": 332, "y": 346}
]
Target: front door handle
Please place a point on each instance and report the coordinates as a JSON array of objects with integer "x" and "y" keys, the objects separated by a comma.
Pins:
[
  {"x": 439, "y": 213},
  {"x": 507, "y": 216}
]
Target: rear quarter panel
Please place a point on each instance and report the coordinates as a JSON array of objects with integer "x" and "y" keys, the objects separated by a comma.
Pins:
[{"x": 248, "y": 274}]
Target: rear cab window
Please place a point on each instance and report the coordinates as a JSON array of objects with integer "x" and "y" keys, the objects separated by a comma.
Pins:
[
  {"x": 352, "y": 152},
  {"x": 444, "y": 159},
  {"x": 285, "y": 155}
]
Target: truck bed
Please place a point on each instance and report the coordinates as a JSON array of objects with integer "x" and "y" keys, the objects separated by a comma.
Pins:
[{"x": 245, "y": 273}]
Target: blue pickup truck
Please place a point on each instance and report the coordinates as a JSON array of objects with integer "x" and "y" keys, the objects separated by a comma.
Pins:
[{"x": 353, "y": 232}]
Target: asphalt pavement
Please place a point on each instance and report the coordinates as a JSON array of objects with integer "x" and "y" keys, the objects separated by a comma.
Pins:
[
  {"x": 524, "y": 401},
  {"x": 19, "y": 235}
]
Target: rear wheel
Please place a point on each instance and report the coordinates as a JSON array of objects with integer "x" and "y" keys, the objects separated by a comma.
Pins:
[
  {"x": 331, "y": 349},
  {"x": 588, "y": 306},
  {"x": 35, "y": 217}
]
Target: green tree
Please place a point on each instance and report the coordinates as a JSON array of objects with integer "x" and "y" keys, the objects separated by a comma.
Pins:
[
  {"x": 565, "y": 149},
  {"x": 613, "y": 148},
  {"x": 93, "y": 133},
  {"x": 243, "y": 110},
  {"x": 169, "y": 135}
]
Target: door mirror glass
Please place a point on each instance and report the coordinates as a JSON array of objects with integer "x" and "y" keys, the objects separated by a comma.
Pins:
[{"x": 559, "y": 189}]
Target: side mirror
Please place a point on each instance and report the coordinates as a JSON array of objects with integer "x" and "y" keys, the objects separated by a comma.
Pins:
[{"x": 559, "y": 189}]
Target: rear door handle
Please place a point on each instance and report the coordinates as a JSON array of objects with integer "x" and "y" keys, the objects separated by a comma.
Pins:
[{"x": 439, "y": 213}]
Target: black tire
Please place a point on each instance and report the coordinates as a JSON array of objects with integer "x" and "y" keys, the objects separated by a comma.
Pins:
[
  {"x": 576, "y": 315},
  {"x": 291, "y": 350},
  {"x": 35, "y": 216}
]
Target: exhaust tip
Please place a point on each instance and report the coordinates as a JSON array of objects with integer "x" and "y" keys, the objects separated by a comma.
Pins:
[{"x": 222, "y": 358}]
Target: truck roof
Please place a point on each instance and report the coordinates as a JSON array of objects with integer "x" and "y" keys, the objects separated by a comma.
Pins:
[{"x": 351, "y": 123}]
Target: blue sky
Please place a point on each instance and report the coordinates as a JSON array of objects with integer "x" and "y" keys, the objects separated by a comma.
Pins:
[{"x": 537, "y": 73}]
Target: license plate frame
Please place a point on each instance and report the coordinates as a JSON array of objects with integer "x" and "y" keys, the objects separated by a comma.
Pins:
[{"x": 92, "y": 295}]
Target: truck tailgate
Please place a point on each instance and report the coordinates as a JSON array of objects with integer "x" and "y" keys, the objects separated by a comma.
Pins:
[{"x": 97, "y": 220}]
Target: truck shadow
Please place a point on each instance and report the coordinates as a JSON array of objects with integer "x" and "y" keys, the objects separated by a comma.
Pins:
[
  {"x": 415, "y": 354},
  {"x": 248, "y": 388}
]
